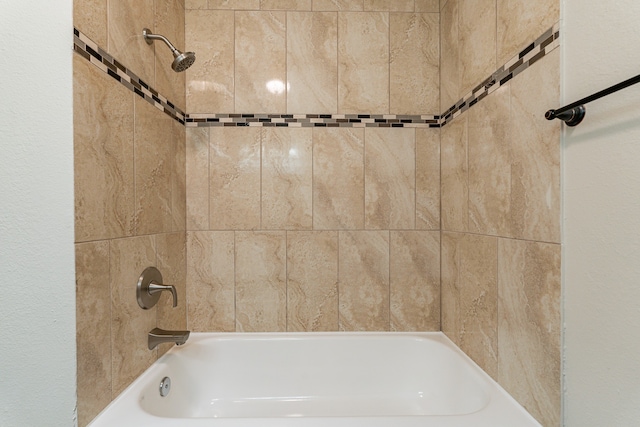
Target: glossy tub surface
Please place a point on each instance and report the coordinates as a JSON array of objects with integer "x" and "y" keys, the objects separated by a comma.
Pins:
[{"x": 319, "y": 379}]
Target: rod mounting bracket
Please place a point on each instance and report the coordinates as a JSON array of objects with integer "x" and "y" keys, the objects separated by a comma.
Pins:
[{"x": 571, "y": 117}]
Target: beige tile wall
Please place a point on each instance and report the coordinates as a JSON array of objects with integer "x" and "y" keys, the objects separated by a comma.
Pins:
[
  {"x": 130, "y": 195},
  {"x": 322, "y": 229},
  {"x": 501, "y": 201},
  {"x": 314, "y": 57},
  {"x": 313, "y": 229},
  {"x": 308, "y": 202},
  {"x": 478, "y": 36}
]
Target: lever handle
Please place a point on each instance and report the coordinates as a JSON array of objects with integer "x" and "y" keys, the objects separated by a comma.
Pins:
[
  {"x": 149, "y": 288},
  {"x": 158, "y": 287}
]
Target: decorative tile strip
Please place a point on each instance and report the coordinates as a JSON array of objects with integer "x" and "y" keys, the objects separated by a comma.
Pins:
[
  {"x": 542, "y": 46},
  {"x": 90, "y": 51},
  {"x": 314, "y": 120},
  {"x": 520, "y": 62}
]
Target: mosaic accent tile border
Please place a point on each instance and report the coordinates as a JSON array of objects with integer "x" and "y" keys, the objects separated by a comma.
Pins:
[
  {"x": 520, "y": 62},
  {"x": 313, "y": 120},
  {"x": 90, "y": 51},
  {"x": 542, "y": 46}
]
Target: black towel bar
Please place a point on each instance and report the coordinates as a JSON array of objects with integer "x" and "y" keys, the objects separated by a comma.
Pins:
[{"x": 573, "y": 114}]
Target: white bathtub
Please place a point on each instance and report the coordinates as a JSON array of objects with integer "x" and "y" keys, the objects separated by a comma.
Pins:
[{"x": 312, "y": 380}]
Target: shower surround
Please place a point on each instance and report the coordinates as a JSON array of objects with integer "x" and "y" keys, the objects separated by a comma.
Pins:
[{"x": 319, "y": 228}]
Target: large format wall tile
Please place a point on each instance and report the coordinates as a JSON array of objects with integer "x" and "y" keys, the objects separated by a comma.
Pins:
[
  {"x": 312, "y": 62},
  {"x": 103, "y": 155},
  {"x": 234, "y": 191},
  {"x": 428, "y": 179},
  {"x": 210, "y": 80},
  {"x": 286, "y": 178},
  {"x": 414, "y": 62},
  {"x": 529, "y": 326},
  {"x": 179, "y": 177},
  {"x": 490, "y": 165},
  {"x": 390, "y": 178},
  {"x": 333, "y": 5},
  {"x": 535, "y": 171},
  {"x": 260, "y": 38},
  {"x": 338, "y": 178},
  {"x": 261, "y": 287},
  {"x": 211, "y": 281},
  {"x": 197, "y": 186},
  {"x": 455, "y": 180},
  {"x": 90, "y": 17},
  {"x": 450, "y": 70},
  {"x": 93, "y": 329},
  {"x": 234, "y": 4},
  {"x": 364, "y": 280},
  {"x": 414, "y": 273},
  {"x": 129, "y": 323},
  {"x": 199, "y": 4},
  {"x": 521, "y": 21},
  {"x": 389, "y": 5},
  {"x": 312, "y": 281},
  {"x": 172, "y": 262},
  {"x": 470, "y": 296},
  {"x": 169, "y": 21},
  {"x": 363, "y": 62},
  {"x": 477, "y": 35},
  {"x": 154, "y": 156},
  {"x": 285, "y": 4},
  {"x": 432, "y": 6},
  {"x": 127, "y": 18}
]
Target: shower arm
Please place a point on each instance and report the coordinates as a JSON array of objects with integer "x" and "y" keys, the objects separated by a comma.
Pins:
[{"x": 149, "y": 37}]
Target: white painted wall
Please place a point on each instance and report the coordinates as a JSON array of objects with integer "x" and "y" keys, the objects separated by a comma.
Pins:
[
  {"x": 601, "y": 45},
  {"x": 37, "y": 283}
]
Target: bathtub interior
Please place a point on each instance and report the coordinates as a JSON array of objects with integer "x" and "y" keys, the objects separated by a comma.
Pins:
[{"x": 323, "y": 375}]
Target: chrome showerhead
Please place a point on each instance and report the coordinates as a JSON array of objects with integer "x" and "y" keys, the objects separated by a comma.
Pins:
[{"x": 181, "y": 61}]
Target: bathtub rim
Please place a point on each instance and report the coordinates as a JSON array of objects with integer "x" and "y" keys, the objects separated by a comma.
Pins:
[{"x": 437, "y": 336}]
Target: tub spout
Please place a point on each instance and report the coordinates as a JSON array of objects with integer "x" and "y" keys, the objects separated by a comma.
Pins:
[{"x": 159, "y": 336}]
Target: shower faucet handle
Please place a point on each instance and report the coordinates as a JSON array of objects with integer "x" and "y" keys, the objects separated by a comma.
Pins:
[
  {"x": 150, "y": 287},
  {"x": 157, "y": 288}
]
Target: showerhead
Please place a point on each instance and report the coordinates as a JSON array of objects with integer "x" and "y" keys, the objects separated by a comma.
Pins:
[{"x": 181, "y": 61}]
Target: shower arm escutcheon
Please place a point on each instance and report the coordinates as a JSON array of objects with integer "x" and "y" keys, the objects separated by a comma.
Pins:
[{"x": 149, "y": 288}]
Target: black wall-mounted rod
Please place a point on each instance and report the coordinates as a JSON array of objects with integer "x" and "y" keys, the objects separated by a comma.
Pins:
[{"x": 573, "y": 114}]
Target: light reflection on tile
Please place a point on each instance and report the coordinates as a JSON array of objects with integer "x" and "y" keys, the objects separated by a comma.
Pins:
[
  {"x": 286, "y": 179},
  {"x": 260, "y": 38},
  {"x": 234, "y": 190}
]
